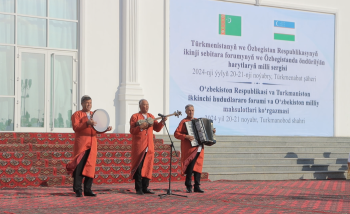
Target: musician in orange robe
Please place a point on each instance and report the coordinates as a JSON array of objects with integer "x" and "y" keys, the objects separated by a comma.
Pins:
[
  {"x": 84, "y": 150},
  {"x": 142, "y": 151},
  {"x": 191, "y": 157}
]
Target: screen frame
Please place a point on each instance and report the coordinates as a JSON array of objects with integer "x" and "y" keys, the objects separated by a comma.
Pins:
[
  {"x": 258, "y": 3},
  {"x": 272, "y": 4}
]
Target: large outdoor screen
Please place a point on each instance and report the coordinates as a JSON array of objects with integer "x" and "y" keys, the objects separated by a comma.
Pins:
[{"x": 253, "y": 70}]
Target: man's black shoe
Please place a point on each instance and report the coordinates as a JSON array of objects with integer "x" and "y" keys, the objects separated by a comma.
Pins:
[
  {"x": 198, "y": 190},
  {"x": 139, "y": 192},
  {"x": 90, "y": 194},
  {"x": 188, "y": 189},
  {"x": 148, "y": 191},
  {"x": 78, "y": 194}
]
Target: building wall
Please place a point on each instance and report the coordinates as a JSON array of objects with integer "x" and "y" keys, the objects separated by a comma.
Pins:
[
  {"x": 152, "y": 53},
  {"x": 101, "y": 54},
  {"x": 103, "y": 59}
]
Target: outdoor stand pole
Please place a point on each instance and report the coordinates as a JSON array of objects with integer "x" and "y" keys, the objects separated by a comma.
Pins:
[{"x": 171, "y": 157}]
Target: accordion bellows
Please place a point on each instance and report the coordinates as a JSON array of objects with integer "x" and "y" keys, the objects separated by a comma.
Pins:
[{"x": 202, "y": 130}]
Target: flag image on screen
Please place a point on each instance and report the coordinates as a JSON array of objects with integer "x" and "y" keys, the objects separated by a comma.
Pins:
[
  {"x": 284, "y": 30},
  {"x": 230, "y": 25}
]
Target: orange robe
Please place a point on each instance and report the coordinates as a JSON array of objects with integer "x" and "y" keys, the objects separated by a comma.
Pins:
[
  {"x": 188, "y": 153},
  {"x": 140, "y": 141},
  {"x": 85, "y": 138}
]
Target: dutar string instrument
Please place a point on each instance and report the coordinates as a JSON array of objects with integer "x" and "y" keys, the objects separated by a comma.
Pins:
[{"x": 150, "y": 120}]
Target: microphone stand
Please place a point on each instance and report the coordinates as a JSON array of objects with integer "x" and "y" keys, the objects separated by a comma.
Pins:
[{"x": 169, "y": 192}]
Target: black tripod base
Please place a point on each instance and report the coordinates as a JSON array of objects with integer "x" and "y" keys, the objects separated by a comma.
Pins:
[
  {"x": 170, "y": 193},
  {"x": 171, "y": 154}
]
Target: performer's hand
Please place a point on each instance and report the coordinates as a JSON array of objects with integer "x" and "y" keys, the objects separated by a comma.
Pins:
[
  {"x": 144, "y": 125},
  {"x": 109, "y": 128},
  {"x": 189, "y": 137},
  {"x": 91, "y": 122},
  {"x": 214, "y": 130},
  {"x": 164, "y": 119}
]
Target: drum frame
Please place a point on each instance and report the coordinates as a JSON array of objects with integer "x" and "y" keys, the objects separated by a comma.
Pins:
[{"x": 109, "y": 119}]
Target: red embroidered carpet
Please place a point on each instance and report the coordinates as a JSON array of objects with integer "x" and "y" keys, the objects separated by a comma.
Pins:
[
  {"x": 300, "y": 196},
  {"x": 39, "y": 159}
]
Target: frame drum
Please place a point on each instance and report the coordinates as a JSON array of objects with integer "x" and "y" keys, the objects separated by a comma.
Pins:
[{"x": 101, "y": 117}]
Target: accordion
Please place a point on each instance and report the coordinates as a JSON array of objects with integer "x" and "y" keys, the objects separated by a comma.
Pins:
[{"x": 202, "y": 131}]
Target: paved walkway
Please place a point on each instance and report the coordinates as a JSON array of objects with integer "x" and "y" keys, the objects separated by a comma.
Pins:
[{"x": 300, "y": 196}]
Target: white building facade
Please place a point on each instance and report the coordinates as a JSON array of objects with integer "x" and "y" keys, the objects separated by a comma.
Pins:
[{"x": 52, "y": 52}]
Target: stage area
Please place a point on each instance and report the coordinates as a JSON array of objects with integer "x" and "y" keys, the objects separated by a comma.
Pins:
[{"x": 296, "y": 196}]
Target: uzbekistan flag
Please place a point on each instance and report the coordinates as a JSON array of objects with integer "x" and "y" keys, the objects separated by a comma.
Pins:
[
  {"x": 230, "y": 25},
  {"x": 284, "y": 30}
]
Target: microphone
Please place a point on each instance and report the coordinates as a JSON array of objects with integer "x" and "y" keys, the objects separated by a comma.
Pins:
[{"x": 161, "y": 115}]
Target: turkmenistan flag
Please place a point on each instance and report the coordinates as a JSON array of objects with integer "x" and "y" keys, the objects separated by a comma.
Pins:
[
  {"x": 284, "y": 30},
  {"x": 230, "y": 25}
]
